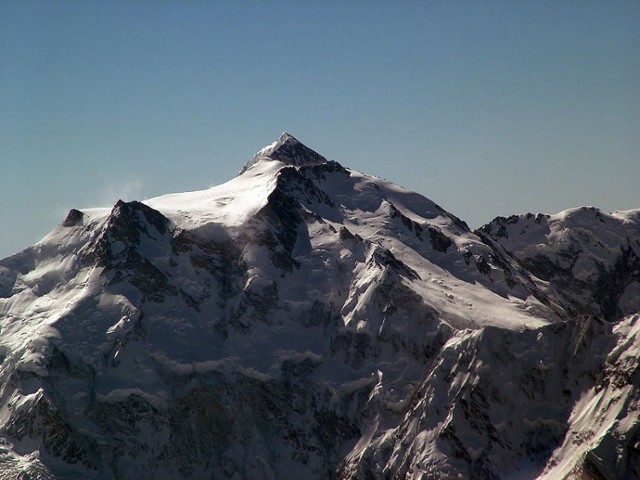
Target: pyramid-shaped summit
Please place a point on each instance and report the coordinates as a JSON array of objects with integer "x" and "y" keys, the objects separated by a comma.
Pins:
[{"x": 288, "y": 150}]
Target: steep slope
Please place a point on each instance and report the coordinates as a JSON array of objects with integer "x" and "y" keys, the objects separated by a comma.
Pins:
[
  {"x": 302, "y": 320},
  {"x": 603, "y": 438}
]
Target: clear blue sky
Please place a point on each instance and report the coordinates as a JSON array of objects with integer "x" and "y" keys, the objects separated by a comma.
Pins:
[{"x": 486, "y": 107}]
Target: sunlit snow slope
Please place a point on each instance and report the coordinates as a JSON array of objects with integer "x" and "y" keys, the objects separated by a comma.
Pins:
[{"x": 304, "y": 320}]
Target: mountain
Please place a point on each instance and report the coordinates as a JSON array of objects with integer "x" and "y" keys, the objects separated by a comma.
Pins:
[
  {"x": 305, "y": 320},
  {"x": 591, "y": 257}
]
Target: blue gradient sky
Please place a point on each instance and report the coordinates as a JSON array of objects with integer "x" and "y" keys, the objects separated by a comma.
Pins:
[{"x": 488, "y": 108}]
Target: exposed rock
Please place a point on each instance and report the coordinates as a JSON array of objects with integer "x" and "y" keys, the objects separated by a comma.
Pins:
[{"x": 74, "y": 217}]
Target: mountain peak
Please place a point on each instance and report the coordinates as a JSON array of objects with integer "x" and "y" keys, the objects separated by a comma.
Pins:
[
  {"x": 288, "y": 150},
  {"x": 287, "y": 137}
]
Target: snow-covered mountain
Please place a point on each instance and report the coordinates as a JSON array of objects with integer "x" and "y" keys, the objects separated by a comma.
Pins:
[
  {"x": 305, "y": 320},
  {"x": 590, "y": 257}
]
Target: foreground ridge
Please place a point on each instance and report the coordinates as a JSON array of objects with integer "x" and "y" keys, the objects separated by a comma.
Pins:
[{"x": 305, "y": 320}]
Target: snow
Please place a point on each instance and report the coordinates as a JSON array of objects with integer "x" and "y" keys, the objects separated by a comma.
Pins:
[
  {"x": 628, "y": 216},
  {"x": 600, "y": 412},
  {"x": 230, "y": 204},
  {"x": 390, "y": 331},
  {"x": 548, "y": 233}
]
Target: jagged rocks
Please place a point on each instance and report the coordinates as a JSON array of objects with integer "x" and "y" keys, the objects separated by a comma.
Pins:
[
  {"x": 74, "y": 217},
  {"x": 589, "y": 257}
]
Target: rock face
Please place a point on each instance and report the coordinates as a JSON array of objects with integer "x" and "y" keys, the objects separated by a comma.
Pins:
[{"x": 305, "y": 320}]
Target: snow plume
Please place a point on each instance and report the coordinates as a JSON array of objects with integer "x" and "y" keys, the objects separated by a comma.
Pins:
[{"x": 120, "y": 189}]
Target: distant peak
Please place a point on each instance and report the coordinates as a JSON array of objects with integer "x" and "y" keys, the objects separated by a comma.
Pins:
[
  {"x": 286, "y": 136},
  {"x": 288, "y": 150},
  {"x": 284, "y": 142}
]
